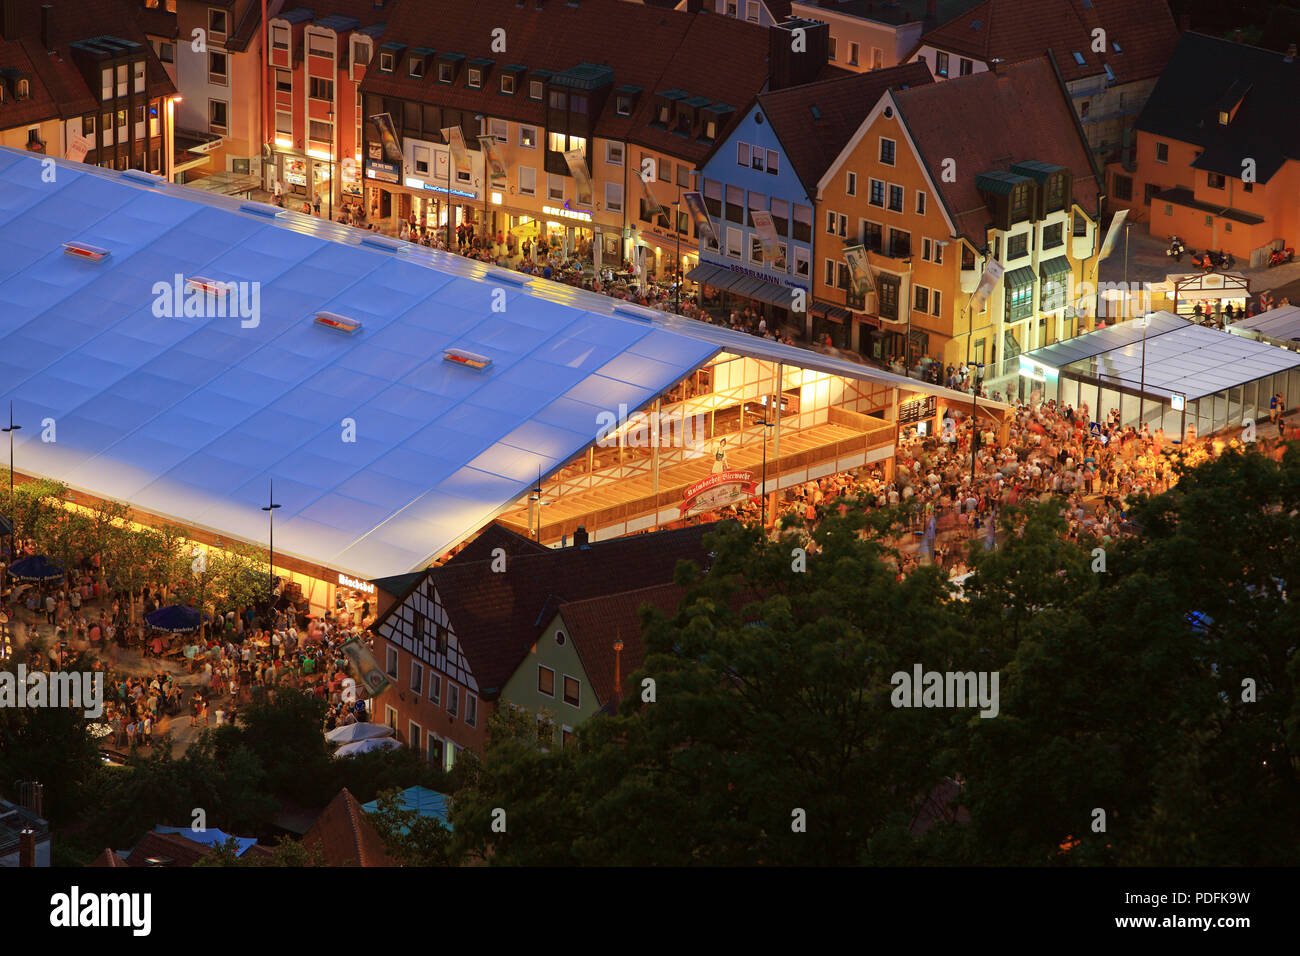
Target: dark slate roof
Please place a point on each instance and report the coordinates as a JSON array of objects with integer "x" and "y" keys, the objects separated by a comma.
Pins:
[
  {"x": 170, "y": 846},
  {"x": 979, "y": 121},
  {"x": 498, "y": 617},
  {"x": 1205, "y": 71},
  {"x": 1016, "y": 30},
  {"x": 811, "y": 143},
  {"x": 495, "y": 536}
]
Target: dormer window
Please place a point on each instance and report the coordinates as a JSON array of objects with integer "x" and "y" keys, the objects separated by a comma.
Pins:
[
  {"x": 360, "y": 53},
  {"x": 386, "y": 62},
  {"x": 475, "y": 78},
  {"x": 446, "y": 72},
  {"x": 508, "y": 83},
  {"x": 1223, "y": 117},
  {"x": 417, "y": 65},
  {"x": 1020, "y": 196},
  {"x": 710, "y": 129},
  {"x": 24, "y": 89},
  {"x": 684, "y": 123},
  {"x": 279, "y": 37},
  {"x": 623, "y": 105},
  {"x": 535, "y": 89}
]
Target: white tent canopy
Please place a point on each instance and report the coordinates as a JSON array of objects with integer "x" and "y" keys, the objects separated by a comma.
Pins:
[
  {"x": 383, "y": 454},
  {"x": 361, "y": 730}
]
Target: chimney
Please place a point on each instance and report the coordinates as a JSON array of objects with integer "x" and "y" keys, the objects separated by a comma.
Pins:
[
  {"x": 27, "y": 847},
  {"x": 787, "y": 68},
  {"x": 998, "y": 65},
  {"x": 580, "y": 539},
  {"x": 618, "y": 670},
  {"x": 46, "y": 11}
]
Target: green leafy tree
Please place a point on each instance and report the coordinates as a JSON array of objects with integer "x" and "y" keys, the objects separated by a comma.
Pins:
[{"x": 410, "y": 837}]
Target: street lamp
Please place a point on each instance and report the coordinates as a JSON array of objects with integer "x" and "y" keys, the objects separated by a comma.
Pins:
[
  {"x": 1142, "y": 387},
  {"x": 766, "y": 425},
  {"x": 677, "y": 266},
  {"x": 270, "y": 510},
  {"x": 11, "y": 429}
]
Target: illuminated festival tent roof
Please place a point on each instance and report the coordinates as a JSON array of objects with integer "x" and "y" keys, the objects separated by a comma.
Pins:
[
  {"x": 1280, "y": 323},
  {"x": 190, "y": 418},
  {"x": 1097, "y": 341}
]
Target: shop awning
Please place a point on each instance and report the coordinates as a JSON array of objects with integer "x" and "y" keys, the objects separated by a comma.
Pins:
[
  {"x": 1019, "y": 278},
  {"x": 1054, "y": 268},
  {"x": 750, "y": 287},
  {"x": 836, "y": 313}
]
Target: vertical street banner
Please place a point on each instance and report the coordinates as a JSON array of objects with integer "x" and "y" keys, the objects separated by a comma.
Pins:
[
  {"x": 859, "y": 269},
  {"x": 383, "y": 123},
  {"x": 652, "y": 207},
  {"x": 459, "y": 154},
  {"x": 1112, "y": 234},
  {"x": 700, "y": 213},
  {"x": 78, "y": 146},
  {"x": 765, "y": 228},
  {"x": 581, "y": 177},
  {"x": 495, "y": 163},
  {"x": 365, "y": 667},
  {"x": 988, "y": 282}
]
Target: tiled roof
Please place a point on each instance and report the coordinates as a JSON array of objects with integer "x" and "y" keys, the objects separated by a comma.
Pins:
[
  {"x": 58, "y": 88},
  {"x": 812, "y": 143},
  {"x": 705, "y": 54},
  {"x": 178, "y": 849},
  {"x": 498, "y": 616},
  {"x": 108, "y": 859},
  {"x": 980, "y": 122},
  {"x": 896, "y": 14},
  {"x": 1263, "y": 127},
  {"x": 1016, "y": 30},
  {"x": 495, "y": 536},
  {"x": 345, "y": 836},
  {"x": 595, "y": 624}
]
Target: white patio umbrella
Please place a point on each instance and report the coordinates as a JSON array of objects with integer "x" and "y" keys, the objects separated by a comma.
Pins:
[
  {"x": 349, "y": 733},
  {"x": 365, "y": 746}
]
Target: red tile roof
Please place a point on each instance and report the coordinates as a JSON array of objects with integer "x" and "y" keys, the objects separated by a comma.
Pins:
[
  {"x": 172, "y": 846},
  {"x": 1019, "y": 29},
  {"x": 497, "y": 617},
  {"x": 987, "y": 122},
  {"x": 59, "y": 88},
  {"x": 593, "y": 626},
  {"x": 345, "y": 836},
  {"x": 721, "y": 58},
  {"x": 108, "y": 859},
  {"x": 811, "y": 143}
]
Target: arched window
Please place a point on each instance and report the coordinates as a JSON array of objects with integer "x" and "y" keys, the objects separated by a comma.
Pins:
[{"x": 23, "y": 89}]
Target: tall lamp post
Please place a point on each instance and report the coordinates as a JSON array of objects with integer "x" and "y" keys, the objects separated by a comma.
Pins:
[
  {"x": 766, "y": 425},
  {"x": 677, "y": 266},
  {"x": 270, "y": 513},
  {"x": 10, "y": 430},
  {"x": 1142, "y": 387}
]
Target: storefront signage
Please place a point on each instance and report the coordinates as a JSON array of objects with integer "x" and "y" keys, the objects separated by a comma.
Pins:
[
  {"x": 295, "y": 172},
  {"x": 414, "y": 183},
  {"x": 567, "y": 213},
  {"x": 1178, "y": 402},
  {"x": 754, "y": 274},
  {"x": 383, "y": 172},
  {"x": 718, "y": 491},
  {"x": 1037, "y": 372},
  {"x": 365, "y": 587},
  {"x": 922, "y": 409}
]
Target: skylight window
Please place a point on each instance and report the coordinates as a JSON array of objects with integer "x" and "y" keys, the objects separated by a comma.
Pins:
[
  {"x": 84, "y": 251},
  {"x": 469, "y": 359},
  {"x": 339, "y": 323},
  {"x": 1110, "y": 74},
  {"x": 1078, "y": 58},
  {"x": 1116, "y": 46},
  {"x": 975, "y": 25}
]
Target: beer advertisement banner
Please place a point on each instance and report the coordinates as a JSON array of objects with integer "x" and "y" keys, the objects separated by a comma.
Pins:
[
  {"x": 700, "y": 213},
  {"x": 718, "y": 490},
  {"x": 765, "y": 228},
  {"x": 1112, "y": 234},
  {"x": 988, "y": 282},
  {"x": 652, "y": 207},
  {"x": 459, "y": 154},
  {"x": 859, "y": 269},
  {"x": 495, "y": 163},
  {"x": 78, "y": 146},
  {"x": 365, "y": 667},
  {"x": 577, "y": 161},
  {"x": 383, "y": 123}
]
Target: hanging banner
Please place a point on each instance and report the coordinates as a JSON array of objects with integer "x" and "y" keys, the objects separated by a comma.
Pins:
[
  {"x": 456, "y": 140},
  {"x": 365, "y": 667},
  {"x": 652, "y": 206},
  {"x": 383, "y": 123},
  {"x": 1112, "y": 234},
  {"x": 719, "y": 490},
  {"x": 700, "y": 213},
  {"x": 859, "y": 269},
  {"x": 78, "y": 146},
  {"x": 577, "y": 161},
  {"x": 495, "y": 163},
  {"x": 766, "y": 231},
  {"x": 988, "y": 282}
]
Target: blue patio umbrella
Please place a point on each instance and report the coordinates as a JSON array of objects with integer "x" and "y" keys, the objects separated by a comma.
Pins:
[
  {"x": 36, "y": 568},
  {"x": 175, "y": 619}
]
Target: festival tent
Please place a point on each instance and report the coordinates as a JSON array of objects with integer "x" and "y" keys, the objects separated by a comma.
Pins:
[
  {"x": 210, "y": 837},
  {"x": 426, "y": 802}
]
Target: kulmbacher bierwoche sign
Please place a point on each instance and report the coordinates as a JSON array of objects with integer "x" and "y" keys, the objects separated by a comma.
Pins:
[{"x": 718, "y": 491}]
